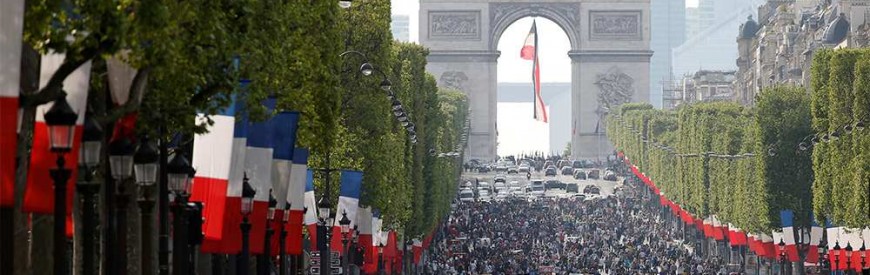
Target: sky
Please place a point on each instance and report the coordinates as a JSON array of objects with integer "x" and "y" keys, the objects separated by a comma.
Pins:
[{"x": 518, "y": 132}]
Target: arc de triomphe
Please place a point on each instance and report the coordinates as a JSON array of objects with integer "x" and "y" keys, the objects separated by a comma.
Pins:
[{"x": 609, "y": 59}]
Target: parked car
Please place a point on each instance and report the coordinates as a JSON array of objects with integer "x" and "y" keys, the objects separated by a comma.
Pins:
[
  {"x": 579, "y": 174},
  {"x": 593, "y": 174},
  {"x": 592, "y": 189},
  {"x": 567, "y": 170},
  {"x": 572, "y": 188},
  {"x": 554, "y": 184},
  {"x": 551, "y": 171},
  {"x": 610, "y": 176}
]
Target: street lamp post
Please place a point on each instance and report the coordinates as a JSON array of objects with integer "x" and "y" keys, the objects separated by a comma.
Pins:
[
  {"x": 863, "y": 251},
  {"x": 848, "y": 258},
  {"x": 178, "y": 171},
  {"x": 61, "y": 122},
  {"x": 248, "y": 193},
  {"x": 89, "y": 158},
  {"x": 837, "y": 255},
  {"x": 781, "y": 256},
  {"x": 145, "y": 168},
  {"x": 263, "y": 260},
  {"x": 345, "y": 228},
  {"x": 282, "y": 239},
  {"x": 324, "y": 207},
  {"x": 823, "y": 257},
  {"x": 121, "y": 164},
  {"x": 381, "y": 258}
]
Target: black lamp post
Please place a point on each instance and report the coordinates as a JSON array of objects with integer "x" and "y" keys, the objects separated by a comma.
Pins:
[
  {"x": 324, "y": 207},
  {"x": 848, "y": 258},
  {"x": 263, "y": 260},
  {"x": 837, "y": 255},
  {"x": 282, "y": 240},
  {"x": 863, "y": 251},
  {"x": 381, "y": 258},
  {"x": 345, "y": 229},
  {"x": 145, "y": 168},
  {"x": 248, "y": 193},
  {"x": 121, "y": 164},
  {"x": 782, "y": 259},
  {"x": 823, "y": 257},
  {"x": 178, "y": 171},
  {"x": 89, "y": 158},
  {"x": 61, "y": 121}
]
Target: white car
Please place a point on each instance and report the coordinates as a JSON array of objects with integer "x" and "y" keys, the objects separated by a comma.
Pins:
[
  {"x": 484, "y": 196},
  {"x": 466, "y": 195},
  {"x": 523, "y": 169}
]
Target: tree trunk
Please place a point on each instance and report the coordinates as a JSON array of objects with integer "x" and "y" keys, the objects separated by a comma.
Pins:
[{"x": 29, "y": 83}]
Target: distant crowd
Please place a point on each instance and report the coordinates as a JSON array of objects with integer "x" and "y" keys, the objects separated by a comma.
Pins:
[{"x": 612, "y": 235}]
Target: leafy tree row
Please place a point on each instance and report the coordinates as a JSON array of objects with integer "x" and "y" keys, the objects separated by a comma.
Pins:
[
  {"x": 741, "y": 165},
  {"x": 840, "y": 86}
]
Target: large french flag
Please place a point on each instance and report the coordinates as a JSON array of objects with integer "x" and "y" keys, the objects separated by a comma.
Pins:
[
  {"x": 816, "y": 233},
  {"x": 230, "y": 241},
  {"x": 296, "y": 198},
  {"x": 11, "y": 24},
  {"x": 364, "y": 219},
  {"x": 39, "y": 192},
  {"x": 258, "y": 164},
  {"x": 311, "y": 206},
  {"x": 787, "y": 218},
  {"x": 371, "y": 255},
  {"x": 530, "y": 52},
  {"x": 348, "y": 202},
  {"x": 121, "y": 77},
  {"x": 766, "y": 246},
  {"x": 284, "y": 140},
  {"x": 212, "y": 157}
]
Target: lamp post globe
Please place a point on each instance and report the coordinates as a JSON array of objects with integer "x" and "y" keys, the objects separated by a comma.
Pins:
[
  {"x": 386, "y": 85},
  {"x": 121, "y": 159},
  {"x": 344, "y": 223},
  {"x": 323, "y": 208},
  {"x": 248, "y": 194},
  {"x": 145, "y": 163},
  {"x": 92, "y": 142},
  {"x": 366, "y": 69},
  {"x": 61, "y": 121},
  {"x": 344, "y": 4},
  {"x": 178, "y": 170}
]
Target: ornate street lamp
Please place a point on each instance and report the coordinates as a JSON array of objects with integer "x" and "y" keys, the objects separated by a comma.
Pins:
[
  {"x": 145, "y": 163},
  {"x": 381, "y": 258},
  {"x": 837, "y": 255},
  {"x": 263, "y": 260},
  {"x": 863, "y": 251},
  {"x": 61, "y": 121},
  {"x": 366, "y": 69},
  {"x": 89, "y": 159},
  {"x": 345, "y": 229},
  {"x": 782, "y": 258},
  {"x": 282, "y": 239},
  {"x": 178, "y": 170},
  {"x": 248, "y": 193},
  {"x": 121, "y": 166},
  {"x": 848, "y": 256}
]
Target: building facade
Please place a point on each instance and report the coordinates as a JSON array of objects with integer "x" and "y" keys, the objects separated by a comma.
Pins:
[
  {"x": 702, "y": 86},
  {"x": 779, "y": 47}
]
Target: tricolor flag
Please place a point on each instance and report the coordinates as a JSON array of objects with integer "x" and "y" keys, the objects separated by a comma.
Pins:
[
  {"x": 816, "y": 233},
  {"x": 296, "y": 196},
  {"x": 348, "y": 202},
  {"x": 258, "y": 164},
  {"x": 311, "y": 206},
  {"x": 767, "y": 247},
  {"x": 11, "y": 24},
  {"x": 371, "y": 255},
  {"x": 121, "y": 77},
  {"x": 718, "y": 229},
  {"x": 39, "y": 192},
  {"x": 230, "y": 241},
  {"x": 530, "y": 52},
  {"x": 417, "y": 249},
  {"x": 212, "y": 154},
  {"x": 364, "y": 225},
  {"x": 284, "y": 141},
  {"x": 787, "y": 218}
]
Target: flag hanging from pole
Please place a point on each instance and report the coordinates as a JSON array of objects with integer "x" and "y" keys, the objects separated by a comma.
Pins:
[{"x": 530, "y": 52}]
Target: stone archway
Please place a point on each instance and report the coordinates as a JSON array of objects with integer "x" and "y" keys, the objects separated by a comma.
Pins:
[{"x": 609, "y": 56}]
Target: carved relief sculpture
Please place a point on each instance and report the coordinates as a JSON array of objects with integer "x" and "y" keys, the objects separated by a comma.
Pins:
[
  {"x": 614, "y": 89},
  {"x": 615, "y": 25},
  {"x": 453, "y": 80},
  {"x": 454, "y": 24}
]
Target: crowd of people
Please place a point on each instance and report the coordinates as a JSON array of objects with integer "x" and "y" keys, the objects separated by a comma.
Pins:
[{"x": 620, "y": 234}]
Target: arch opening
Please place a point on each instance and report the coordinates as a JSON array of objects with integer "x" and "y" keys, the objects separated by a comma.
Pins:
[{"x": 518, "y": 132}]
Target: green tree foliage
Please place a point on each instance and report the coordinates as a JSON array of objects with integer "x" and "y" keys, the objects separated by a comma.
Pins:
[
  {"x": 697, "y": 155},
  {"x": 840, "y": 98}
]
